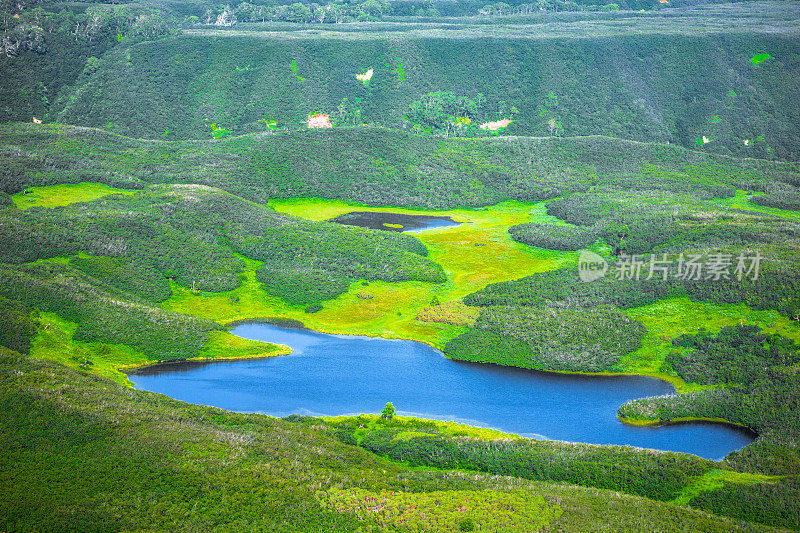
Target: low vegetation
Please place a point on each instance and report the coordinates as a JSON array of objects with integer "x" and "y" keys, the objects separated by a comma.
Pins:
[
  {"x": 129, "y": 460},
  {"x": 762, "y": 393},
  {"x": 656, "y": 475},
  {"x": 548, "y": 338},
  {"x": 138, "y": 242},
  {"x": 191, "y": 190}
]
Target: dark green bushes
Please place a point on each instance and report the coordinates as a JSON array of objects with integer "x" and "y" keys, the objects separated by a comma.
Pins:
[
  {"x": 736, "y": 355},
  {"x": 136, "y": 276},
  {"x": 762, "y": 392},
  {"x": 302, "y": 287},
  {"x": 773, "y": 504},
  {"x": 548, "y": 338},
  {"x": 564, "y": 288},
  {"x": 656, "y": 87},
  {"x": 482, "y": 346},
  {"x": 194, "y": 235},
  {"x": 307, "y": 262},
  {"x": 104, "y": 313},
  {"x": 777, "y": 287},
  {"x": 783, "y": 197},
  {"x": 17, "y": 325},
  {"x": 563, "y": 238},
  {"x": 656, "y": 475},
  {"x": 386, "y": 167}
]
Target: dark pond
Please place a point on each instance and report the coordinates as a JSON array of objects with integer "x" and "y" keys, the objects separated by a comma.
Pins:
[
  {"x": 335, "y": 375},
  {"x": 393, "y": 221}
]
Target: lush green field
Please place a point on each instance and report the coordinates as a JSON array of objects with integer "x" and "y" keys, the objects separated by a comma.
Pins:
[
  {"x": 121, "y": 271},
  {"x": 482, "y": 244}
]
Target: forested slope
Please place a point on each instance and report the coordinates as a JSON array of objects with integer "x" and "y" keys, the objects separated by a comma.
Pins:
[
  {"x": 671, "y": 88},
  {"x": 388, "y": 167}
]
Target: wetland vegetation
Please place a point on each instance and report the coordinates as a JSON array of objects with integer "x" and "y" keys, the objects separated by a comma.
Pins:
[{"x": 161, "y": 181}]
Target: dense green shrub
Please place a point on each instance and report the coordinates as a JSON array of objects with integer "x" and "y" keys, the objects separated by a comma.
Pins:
[
  {"x": 17, "y": 325},
  {"x": 386, "y": 167},
  {"x": 301, "y": 287},
  {"x": 194, "y": 234},
  {"x": 736, "y": 355},
  {"x": 657, "y": 475},
  {"x": 777, "y": 286},
  {"x": 562, "y": 86},
  {"x": 103, "y": 313},
  {"x": 786, "y": 198},
  {"x": 564, "y": 288},
  {"x": 773, "y": 504},
  {"x": 547, "y": 338},
  {"x": 137, "y": 276},
  {"x": 553, "y": 237},
  {"x": 482, "y": 346}
]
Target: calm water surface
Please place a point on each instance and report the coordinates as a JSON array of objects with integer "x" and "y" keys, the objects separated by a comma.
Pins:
[
  {"x": 337, "y": 374},
  {"x": 406, "y": 223}
]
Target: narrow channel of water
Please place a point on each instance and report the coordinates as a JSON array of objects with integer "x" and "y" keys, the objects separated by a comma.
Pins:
[{"x": 337, "y": 374}]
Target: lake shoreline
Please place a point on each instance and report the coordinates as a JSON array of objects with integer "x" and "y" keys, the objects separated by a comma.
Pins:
[{"x": 338, "y": 374}]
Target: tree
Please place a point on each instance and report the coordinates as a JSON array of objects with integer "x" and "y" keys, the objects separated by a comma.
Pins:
[
  {"x": 388, "y": 411},
  {"x": 349, "y": 113}
]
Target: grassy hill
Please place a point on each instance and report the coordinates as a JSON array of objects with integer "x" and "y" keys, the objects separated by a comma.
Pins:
[
  {"x": 109, "y": 280},
  {"x": 385, "y": 167},
  {"x": 186, "y": 193}
]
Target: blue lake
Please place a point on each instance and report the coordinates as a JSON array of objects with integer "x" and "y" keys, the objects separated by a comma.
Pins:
[{"x": 338, "y": 374}]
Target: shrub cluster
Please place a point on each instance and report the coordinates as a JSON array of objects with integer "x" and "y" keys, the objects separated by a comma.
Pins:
[
  {"x": 762, "y": 392},
  {"x": 736, "y": 355},
  {"x": 103, "y": 313},
  {"x": 17, "y": 325},
  {"x": 137, "y": 276},
  {"x": 777, "y": 287},
  {"x": 564, "y": 238},
  {"x": 656, "y": 475},
  {"x": 194, "y": 235},
  {"x": 548, "y": 338}
]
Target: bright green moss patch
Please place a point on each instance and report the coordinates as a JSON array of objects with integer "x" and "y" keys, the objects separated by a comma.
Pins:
[
  {"x": 454, "y": 313},
  {"x": 667, "y": 319},
  {"x": 410, "y": 427},
  {"x": 744, "y": 200},
  {"x": 223, "y": 345},
  {"x": 405, "y": 435},
  {"x": 475, "y": 253},
  {"x": 55, "y": 342},
  {"x": 759, "y": 58},
  {"x": 61, "y": 195},
  {"x": 715, "y": 479}
]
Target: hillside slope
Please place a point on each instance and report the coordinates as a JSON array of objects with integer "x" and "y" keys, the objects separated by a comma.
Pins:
[
  {"x": 698, "y": 91},
  {"x": 382, "y": 167}
]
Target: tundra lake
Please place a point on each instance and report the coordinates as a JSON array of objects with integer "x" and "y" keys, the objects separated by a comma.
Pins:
[
  {"x": 342, "y": 374},
  {"x": 398, "y": 222}
]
